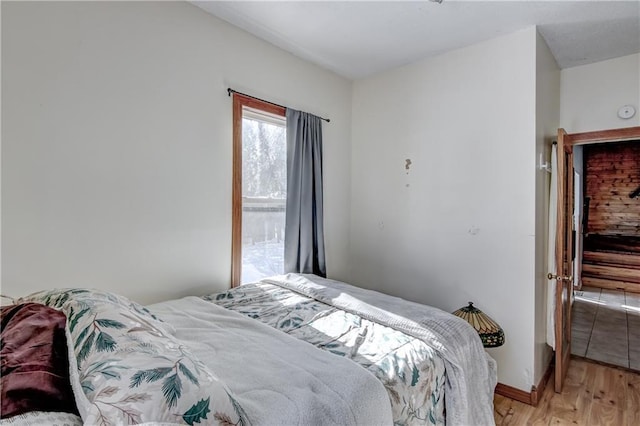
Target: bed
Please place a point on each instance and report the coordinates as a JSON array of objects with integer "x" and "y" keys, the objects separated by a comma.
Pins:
[{"x": 292, "y": 349}]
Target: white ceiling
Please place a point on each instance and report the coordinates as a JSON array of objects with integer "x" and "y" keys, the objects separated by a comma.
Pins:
[{"x": 359, "y": 38}]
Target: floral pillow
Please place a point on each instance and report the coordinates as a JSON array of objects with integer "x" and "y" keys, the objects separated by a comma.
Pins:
[
  {"x": 127, "y": 370},
  {"x": 56, "y": 298}
]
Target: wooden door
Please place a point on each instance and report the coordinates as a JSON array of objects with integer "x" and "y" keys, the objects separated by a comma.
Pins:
[{"x": 564, "y": 259}]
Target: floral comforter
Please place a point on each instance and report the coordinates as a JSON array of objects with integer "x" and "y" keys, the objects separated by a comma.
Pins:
[{"x": 410, "y": 370}]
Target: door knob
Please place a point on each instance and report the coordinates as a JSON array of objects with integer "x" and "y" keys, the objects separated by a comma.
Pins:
[{"x": 551, "y": 276}]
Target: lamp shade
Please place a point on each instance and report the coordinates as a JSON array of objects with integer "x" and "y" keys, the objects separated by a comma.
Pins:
[{"x": 490, "y": 332}]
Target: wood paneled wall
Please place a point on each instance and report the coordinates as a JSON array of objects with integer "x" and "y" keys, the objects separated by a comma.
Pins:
[{"x": 612, "y": 174}]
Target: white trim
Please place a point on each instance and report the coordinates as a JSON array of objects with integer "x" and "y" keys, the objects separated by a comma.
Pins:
[{"x": 260, "y": 115}]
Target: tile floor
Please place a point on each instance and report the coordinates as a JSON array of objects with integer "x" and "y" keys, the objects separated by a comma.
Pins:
[{"x": 605, "y": 326}]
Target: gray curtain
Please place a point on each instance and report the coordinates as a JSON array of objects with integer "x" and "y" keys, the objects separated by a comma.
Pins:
[{"x": 304, "y": 231}]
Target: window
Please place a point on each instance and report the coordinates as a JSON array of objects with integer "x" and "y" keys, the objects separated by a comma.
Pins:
[{"x": 259, "y": 189}]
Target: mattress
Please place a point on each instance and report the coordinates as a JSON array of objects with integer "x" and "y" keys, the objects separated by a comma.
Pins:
[
  {"x": 276, "y": 378},
  {"x": 293, "y": 349},
  {"x": 411, "y": 371}
]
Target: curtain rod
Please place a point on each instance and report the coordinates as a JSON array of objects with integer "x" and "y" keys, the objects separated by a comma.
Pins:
[{"x": 230, "y": 91}]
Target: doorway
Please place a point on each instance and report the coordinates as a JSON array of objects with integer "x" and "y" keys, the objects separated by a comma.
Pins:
[
  {"x": 605, "y": 320},
  {"x": 606, "y": 310},
  {"x": 566, "y": 236}
]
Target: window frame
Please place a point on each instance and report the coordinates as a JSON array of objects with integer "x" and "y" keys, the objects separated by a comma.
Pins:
[{"x": 241, "y": 101}]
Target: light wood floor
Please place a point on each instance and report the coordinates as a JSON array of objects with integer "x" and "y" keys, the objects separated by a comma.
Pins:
[{"x": 593, "y": 394}]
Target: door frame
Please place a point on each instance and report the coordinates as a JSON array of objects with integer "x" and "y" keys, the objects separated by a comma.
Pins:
[{"x": 566, "y": 142}]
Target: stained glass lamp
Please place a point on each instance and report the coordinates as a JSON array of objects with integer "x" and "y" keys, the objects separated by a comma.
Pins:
[{"x": 490, "y": 332}]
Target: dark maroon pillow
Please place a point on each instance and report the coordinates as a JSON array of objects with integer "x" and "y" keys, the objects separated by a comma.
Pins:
[{"x": 35, "y": 363}]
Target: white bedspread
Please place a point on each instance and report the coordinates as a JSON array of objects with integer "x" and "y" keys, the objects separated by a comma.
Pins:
[
  {"x": 471, "y": 372},
  {"x": 278, "y": 379}
]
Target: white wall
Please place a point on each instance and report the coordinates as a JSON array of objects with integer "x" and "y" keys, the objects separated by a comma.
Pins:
[
  {"x": 547, "y": 119},
  {"x": 459, "y": 225},
  {"x": 591, "y": 94},
  {"x": 116, "y": 155}
]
